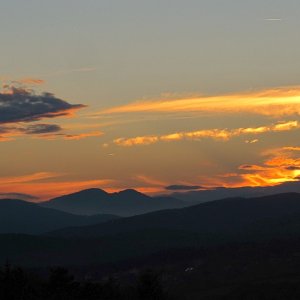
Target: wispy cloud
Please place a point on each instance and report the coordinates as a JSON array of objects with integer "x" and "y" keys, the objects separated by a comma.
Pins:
[
  {"x": 68, "y": 137},
  {"x": 47, "y": 190},
  {"x": 28, "y": 178},
  {"x": 291, "y": 148},
  {"x": 217, "y": 134},
  {"x": 272, "y": 102},
  {"x": 82, "y": 135},
  {"x": 48, "y": 184},
  {"x": 41, "y": 129},
  {"x": 254, "y": 141},
  {"x": 31, "y": 81},
  {"x": 69, "y": 71},
  {"x": 273, "y": 19},
  {"x": 180, "y": 187},
  {"x": 20, "y": 196},
  {"x": 10, "y": 132},
  {"x": 151, "y": 181}
]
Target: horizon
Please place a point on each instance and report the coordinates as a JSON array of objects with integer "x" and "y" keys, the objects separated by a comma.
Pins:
[{"x": 174, "y": 191}]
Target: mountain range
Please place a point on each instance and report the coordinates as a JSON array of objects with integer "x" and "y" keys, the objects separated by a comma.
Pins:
[
  {"x": 82, "y": 240},
  {"x": 205, "y": 195},
  {"x": 18, "y": 216},
  {"x": 124, "y": 203},
  {"x": 221, "y": 218}
]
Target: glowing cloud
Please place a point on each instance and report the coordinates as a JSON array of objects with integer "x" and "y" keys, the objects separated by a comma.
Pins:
[
  {"x": 273, "y": 19},
  {"x": 82, "y": 135},
  {"x": 31, "y": 81},
  {"x": 28, "y": 178},
  {"x": 274, "y": 171},
  {"x": 291, "y": 148},
  {"x": 252, "y": 141},
  {"x": 280, "y": 167},
  {"x": 273, "y": 102},
  {"x": 46, "y": 185},
  {"x": 218, "y": 134}
]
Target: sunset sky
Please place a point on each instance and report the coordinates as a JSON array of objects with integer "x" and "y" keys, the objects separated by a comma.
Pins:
[{"x": 146, "y": 94}]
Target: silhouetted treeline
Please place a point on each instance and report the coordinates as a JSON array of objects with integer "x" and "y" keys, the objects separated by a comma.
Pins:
[{"x": 17, "y": 284}]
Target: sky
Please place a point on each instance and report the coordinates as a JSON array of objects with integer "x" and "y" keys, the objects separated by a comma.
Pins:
[{"x": 148, "y": 94}]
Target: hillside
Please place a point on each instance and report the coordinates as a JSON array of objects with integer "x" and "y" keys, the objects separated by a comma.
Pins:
[
  {"x": 218, "y": 218},
  {"x": 17, "y": 216}
]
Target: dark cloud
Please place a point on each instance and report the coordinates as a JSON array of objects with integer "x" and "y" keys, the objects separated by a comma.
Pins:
[
  {"x": 42, "y": 128},
  {"x": 183, "y": 187},
  {"x": 247, "y": 167},
  {"x": 19, "y": 196},
  {"x": 30, "y": 129},
  {"x": 21, "y": 105},
  {"x": 293, "y": 168},
  {"x": 5, "y": 129}
]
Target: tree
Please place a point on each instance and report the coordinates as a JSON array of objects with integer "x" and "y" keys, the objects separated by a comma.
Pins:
[{"x": 149, "y": 286}]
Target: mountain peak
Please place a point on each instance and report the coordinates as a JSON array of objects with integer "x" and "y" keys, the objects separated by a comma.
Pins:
[
  {"x": 95, "y": 201},
  {"x": 131, "y": 193},
  {"x": 91, "y": 192},
  {"x": 94, "y": 190}
]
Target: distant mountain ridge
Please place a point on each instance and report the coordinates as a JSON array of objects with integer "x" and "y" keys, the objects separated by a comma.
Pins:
[
  {"x": 231, "y": 216},
  {"x": 222, "y": 222},
  {"x": 18, "y": 216},
  {"x": 201, "y": 196},
  {"x": 125, "y": 203}
]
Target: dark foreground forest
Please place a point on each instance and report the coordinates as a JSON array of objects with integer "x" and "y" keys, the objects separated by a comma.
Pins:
[
  {"x": 234, "y": 248},
  {"x": 233, "y": 271}
]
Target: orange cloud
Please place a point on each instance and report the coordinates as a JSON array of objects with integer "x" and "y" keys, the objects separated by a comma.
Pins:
[
  {"x": 82, "y": 135},
  {"x": 28, "y": 178},
  {"x": 273, "y": 171},
  {"x": 140, "y": 140},
  {"x": 291, "y": 148},
  {"x": 252, "y": 141},
  {"x": 272, "y": 102},
  {"x": 7, "y": 137},
  {"x": 218, "y": 134},
  {"x": 33, "y": 81},
  {"x": 68, "y": 137},
  {"x": 45, "y": 184},
  {"x": 153, "y": 182}
]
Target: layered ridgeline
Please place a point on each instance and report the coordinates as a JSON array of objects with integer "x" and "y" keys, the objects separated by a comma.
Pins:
[
  {"x": 235, "y": 220},
  {"x": 204, "y": 195},
  {"x": 212, "y": 221},
  {"x": 17, "y": 216},
  {"x": 124, "y": 203}
]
